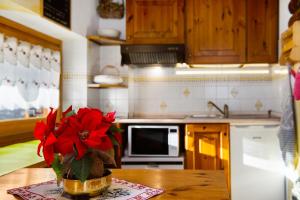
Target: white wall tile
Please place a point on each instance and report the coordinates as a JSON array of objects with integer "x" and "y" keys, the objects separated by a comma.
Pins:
[{"x": 222, "y": 92}]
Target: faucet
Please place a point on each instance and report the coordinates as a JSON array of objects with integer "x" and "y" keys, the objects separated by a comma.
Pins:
[{"x": 224, "y": 112}]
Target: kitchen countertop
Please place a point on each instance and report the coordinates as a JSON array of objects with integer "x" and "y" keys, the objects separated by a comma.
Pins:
[
  {"x": 177, "y": 184},
  {"x": 236, "y": 120}
]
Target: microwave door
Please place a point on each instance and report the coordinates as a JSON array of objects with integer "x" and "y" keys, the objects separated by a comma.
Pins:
[{"x": 149, "y": 142}]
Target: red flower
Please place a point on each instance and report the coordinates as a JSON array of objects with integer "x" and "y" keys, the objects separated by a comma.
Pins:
[
  {"x": 93, "y": 129},
  {"x": 67, "y": 111},
  {"x": 68, "y": 136},
  {"x": 98, "y": 139},
  {"x": 45, "y": 133},
  {"x": 89, "y": 118},
  {"x": 110, "y": 117},
  {"x": 86, "y": 129}
]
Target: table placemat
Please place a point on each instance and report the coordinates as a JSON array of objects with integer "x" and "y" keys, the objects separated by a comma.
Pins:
[{"x": 119, "y": 190}]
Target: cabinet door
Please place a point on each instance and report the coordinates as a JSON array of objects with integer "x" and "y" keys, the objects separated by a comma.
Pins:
[
  {"x": 207, "y": 151},
  {"x": 215, "y": 31},
  {"x": 155, "y": 21},
  {"x": 207, "y": 146},
  {"x": 256, "y": 164},
  {"x": 262, "y": 31}
]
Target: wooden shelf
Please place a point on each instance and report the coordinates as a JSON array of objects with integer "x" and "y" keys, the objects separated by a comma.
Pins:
[
  {"x": 105, "y": 40},
  {"x": 104, "y": 86},
  {"x": 290, "y": 45}
]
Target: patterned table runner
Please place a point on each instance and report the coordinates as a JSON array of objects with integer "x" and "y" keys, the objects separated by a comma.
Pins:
[{"x": 119, "y": 190}]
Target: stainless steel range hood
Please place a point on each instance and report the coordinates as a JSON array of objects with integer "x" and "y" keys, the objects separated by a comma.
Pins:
[{"x": 166, "y": 54}]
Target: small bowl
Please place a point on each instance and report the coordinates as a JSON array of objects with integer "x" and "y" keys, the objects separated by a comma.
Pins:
[{"x": 109, "y": 32}]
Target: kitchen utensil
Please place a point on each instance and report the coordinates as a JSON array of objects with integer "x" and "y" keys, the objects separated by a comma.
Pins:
[
  {"x": 108, "y": 79},
  {"x": 109, "y": 32},
  {"x": 111, "y": 9},
  {"x": 108, "y": 75}
]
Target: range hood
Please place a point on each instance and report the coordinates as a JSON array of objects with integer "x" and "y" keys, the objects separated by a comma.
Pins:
[{"x": 166, "y": 54}]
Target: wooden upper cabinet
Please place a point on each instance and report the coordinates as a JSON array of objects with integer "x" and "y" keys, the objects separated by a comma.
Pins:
[
  {"x": 155, "y": 21},
  {"x": 262, "y": 37},
  {"x": 215, "y": 31}
]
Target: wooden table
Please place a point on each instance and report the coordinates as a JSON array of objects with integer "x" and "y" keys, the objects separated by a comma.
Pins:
[{"x": 178, "y": 184}]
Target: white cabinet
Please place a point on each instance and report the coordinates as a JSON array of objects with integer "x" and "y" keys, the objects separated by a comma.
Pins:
[{"x": 256, "y": 163}]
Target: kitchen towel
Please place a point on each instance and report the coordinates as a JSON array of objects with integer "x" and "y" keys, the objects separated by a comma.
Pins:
[
  {"x": 287, "y": 131},
  {"x": 119, "y": 190}
]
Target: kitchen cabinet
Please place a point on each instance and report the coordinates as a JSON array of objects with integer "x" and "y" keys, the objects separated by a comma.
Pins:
[
  {"x": 154, "y": 21},
  {"x": 262, "y": 31},
  {"x": 215, "y": 31},
  {"x": 207, "y": 147},
  {"x": 232, "y": 31},
  {"x": 256, "y": 164}
]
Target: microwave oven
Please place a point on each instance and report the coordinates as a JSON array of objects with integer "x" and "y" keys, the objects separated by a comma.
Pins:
[{"x": 150, "y": 140}]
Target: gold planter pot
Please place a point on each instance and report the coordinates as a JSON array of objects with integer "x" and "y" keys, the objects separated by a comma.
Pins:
[{"x": 92, "y": 187}]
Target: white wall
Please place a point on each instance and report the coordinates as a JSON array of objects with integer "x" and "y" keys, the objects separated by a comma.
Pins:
[
  {"x": 84, "y": 17},
  {"x": 82, "y": 53},
  {"x": 284, "y": 15}
]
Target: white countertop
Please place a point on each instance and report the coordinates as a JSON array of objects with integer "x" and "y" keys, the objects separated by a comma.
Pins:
[{"x": 189, "y": 120}]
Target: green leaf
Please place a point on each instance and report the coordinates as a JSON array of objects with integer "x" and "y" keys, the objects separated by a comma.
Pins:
[
  {"x": 113, "y": 140},
  {"x": 57, "y": 167},
  {"x": 66, "y": 170},
  {"x": 69, "y": 114},
  {"x": 114, "y": 128},
  {"x": 75, "y": 150},
  {"x": 81, "y": 168}
]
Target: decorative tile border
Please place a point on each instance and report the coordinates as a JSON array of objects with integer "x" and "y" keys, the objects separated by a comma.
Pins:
[
  {"x": 74, "y": 76},
  {"x": 166, "y": 78},
  {"x": 202, "y": 78}
]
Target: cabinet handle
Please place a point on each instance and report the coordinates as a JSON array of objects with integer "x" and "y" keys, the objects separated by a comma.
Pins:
[
  {"x": 271, "y": 126},
  {"x": 241, "y": 126},
  {"x": 256, "y": 138}
]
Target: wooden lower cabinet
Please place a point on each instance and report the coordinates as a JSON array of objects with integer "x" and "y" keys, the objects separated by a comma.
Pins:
[{"x": 207, "y": 147}]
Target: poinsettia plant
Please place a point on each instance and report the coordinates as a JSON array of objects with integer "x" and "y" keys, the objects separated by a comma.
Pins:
[{"x": 80, "y": 145}]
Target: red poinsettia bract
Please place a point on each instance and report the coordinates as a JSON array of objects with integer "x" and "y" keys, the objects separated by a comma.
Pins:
[
  {"x": 45, "y": 133},
  {"x": 75, "y": 134}
]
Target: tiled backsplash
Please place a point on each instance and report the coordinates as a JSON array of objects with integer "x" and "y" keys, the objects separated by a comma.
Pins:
[{"x": 153, "y": 91}]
